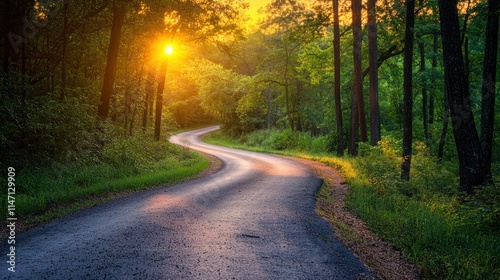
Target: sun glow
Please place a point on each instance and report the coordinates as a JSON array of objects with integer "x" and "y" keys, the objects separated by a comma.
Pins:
[{"x": 169, "y": 50}]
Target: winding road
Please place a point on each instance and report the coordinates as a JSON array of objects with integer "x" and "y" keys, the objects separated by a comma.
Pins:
[{"x": 252, "y": 219}]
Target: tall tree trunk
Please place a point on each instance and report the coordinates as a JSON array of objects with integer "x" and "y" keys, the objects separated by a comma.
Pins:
[
  {"x": 152, "y": 99},
  {"x": 126, "y": 111},
  {"x": 408, "y": 91},
  {"x": 268, "y": 102},
  {"x": 7, "y": 23},
  {"x": 132, "y": 120},
  {"x": 109, "y": 75},
  {"x": 444, "y": 131},
  {"x": 287, "y": 97},
  {"x": 434, "y": 66},
  {"x": 373, "y": 65},
  {"x": 467, "y": 60},
  {"x": 147, "y": 99},
  {"x": 425, "y": 110},
  {"x": 23, "y": 70},
  {"x": 353, "y": 141},
  {"x": 159, "y": 98},
  {"x": 488, "y": 86},
  {"x": 358, "y": 81},
  {"x": 64, "y": 50},
  {"x": 336, "y": 86},
  {"x": 471, "y": 169}
]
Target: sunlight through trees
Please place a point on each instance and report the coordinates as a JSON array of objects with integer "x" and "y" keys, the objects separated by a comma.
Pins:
[{"x": 72, "y": 71}]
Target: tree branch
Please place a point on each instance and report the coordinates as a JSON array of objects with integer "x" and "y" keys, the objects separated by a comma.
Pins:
[{"x": 391, "y": 52}]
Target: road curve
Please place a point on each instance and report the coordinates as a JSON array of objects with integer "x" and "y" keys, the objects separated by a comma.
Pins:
[{"x": 253, "y": 219}]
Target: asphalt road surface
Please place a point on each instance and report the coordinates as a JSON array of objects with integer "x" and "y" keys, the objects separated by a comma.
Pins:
[{"x": 253, "y": 219}]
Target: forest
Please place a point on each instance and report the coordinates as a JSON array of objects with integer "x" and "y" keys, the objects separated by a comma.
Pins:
[{"x": 399, "y": 95}]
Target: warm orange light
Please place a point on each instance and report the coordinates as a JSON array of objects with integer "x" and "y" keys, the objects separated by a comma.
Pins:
[{"x": 169, "y": 50}]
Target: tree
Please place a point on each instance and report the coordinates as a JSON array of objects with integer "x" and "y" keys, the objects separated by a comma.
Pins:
[
  {"x": 425, "y": 110},
  {"x": 148, "y": 97},
  {"x": 336, "y": 62},
  {"x": 109, "y": 74},
  {"x": 358, "y": 113},
  {"x": 219, "y": 90},
  {"x": 488, "y": 84},
  {"x": 373, "y": 66},
  {"x": 159, "y": 97},
  {"x": 408, "y": 90},
  {"x": 64, "y": 50},
  {"x": 471, "y": 167},
  {"x": 197, "y": 21},
  {"x": 285, "y": 37}
]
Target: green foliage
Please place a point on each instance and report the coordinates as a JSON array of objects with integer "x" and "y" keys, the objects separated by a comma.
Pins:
[
  {"x": 250, "y": 109},
  {"x": 286, "y": 140},
  {"x": 482, "y": 211},
  {"x": 46, "y": 129},
  {"x": 219, "y": 90}
]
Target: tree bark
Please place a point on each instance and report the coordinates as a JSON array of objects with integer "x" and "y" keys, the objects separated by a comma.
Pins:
[
  {"x": 149, "y": 91},
  {"x": 391, "y": 52},
  {"x": 64, "y": 50},
  {"x": 287, "y": 93},
  {"x": 373, "y": 65},
  {"x": 132, "y": 121},
  {"x": 408, "y": 91},
  {"x": 488, "y": 86},
  {"x": 336, "y": 63},
  {"x": 444, "y": 131},
  {"x": 434, "y": 66},
  {"x": 425, "y": 110},
  {"x": 268, "y": 102},
  {"x": 353, "y": 141},
  {"x": 471, "y": 169},
  {"x": 109, "y": 75},
  {"x": 159, "y": 98},
  {"x": 126, "y": 111},
  {"x": 358, "y": 81},
  {"x": 7, "y": 23}
]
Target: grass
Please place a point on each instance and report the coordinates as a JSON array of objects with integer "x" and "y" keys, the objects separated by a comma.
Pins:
[
  {"x": 43, "y": 193},
  {"x": 448, "y": 234}
]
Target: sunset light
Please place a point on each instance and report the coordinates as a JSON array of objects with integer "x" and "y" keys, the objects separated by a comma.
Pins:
[
  {"x": 391, "y": 102},
  {"x": 169, "y": 50}
]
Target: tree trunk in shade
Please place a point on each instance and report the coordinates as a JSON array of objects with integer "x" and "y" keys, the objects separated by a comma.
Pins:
[
  {"x": 408, "y": 91},
  {"x": 109, "y": 75},
  {"x": 336, "y": 63},
  {"x": 471, "y": 168},
  {"x": 372, "y": 57},
  {"x": 488, "y": 86}
]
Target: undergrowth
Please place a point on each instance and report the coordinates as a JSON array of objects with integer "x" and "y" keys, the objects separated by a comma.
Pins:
[{"x": 448, "y": 234}]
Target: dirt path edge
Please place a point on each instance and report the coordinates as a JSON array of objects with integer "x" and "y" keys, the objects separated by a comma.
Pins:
[{"x": 377, "y": 254}]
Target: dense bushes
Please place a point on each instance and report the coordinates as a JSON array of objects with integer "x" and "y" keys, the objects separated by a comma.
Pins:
[
  {"x": 37, "y": 130},
  {"x": 287, "y": 140}
]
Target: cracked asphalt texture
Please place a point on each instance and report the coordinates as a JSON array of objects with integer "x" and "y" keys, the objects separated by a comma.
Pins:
[{"x": 253, "y": 219}]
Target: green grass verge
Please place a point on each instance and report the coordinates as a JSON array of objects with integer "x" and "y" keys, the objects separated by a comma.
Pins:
[
  {"x": 448, "y": 234},
  {"x": 44, "y": 193}
]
